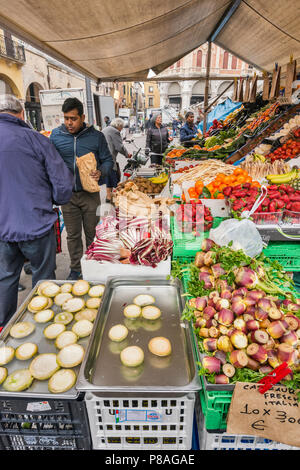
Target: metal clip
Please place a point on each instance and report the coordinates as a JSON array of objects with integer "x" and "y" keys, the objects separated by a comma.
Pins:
[{"x": 274, "y": 377}]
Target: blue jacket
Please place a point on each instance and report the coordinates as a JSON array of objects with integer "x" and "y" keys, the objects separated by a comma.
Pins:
[
  {"x": 33, "y": 176},
  {"x": 187, "y": 132},
  {"x": 87, "y": 140}
]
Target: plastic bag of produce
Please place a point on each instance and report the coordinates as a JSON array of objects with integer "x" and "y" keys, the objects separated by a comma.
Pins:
[{"x": 243, "y": 234}]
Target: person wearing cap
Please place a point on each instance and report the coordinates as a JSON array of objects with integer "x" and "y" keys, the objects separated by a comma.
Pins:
[
  {"x": 33, "y": 177},
  {"x": 157, "y": 139},
  {"x": 189, "y": 131}
]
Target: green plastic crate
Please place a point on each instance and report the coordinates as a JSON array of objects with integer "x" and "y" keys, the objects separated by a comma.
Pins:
[
  {"x": 215, "y": 406},
  {"x": 186, "y": 244},
  {"x": 287, "y": 254}
]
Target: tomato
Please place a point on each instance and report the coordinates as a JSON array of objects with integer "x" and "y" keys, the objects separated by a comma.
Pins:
[{"x": 220, "y": 196}]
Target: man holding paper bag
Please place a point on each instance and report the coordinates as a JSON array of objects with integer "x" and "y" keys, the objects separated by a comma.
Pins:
[{"x": 86, "y": 153}]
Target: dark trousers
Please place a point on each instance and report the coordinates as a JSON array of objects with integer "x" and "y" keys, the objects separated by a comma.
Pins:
[
  {"x": 156, "y": 158},
  {"x": 41, "y": 253},
  {"x": 80, "y": 212}
]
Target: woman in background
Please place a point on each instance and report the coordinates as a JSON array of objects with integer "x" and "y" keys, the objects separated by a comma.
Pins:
[{"x": 157, "y": 140}]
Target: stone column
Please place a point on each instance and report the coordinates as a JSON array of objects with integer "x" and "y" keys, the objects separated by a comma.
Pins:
[{"x": 163, "y": 93}]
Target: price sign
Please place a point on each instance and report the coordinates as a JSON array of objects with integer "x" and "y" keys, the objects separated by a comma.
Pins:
[{"x": 273, "y": 415}]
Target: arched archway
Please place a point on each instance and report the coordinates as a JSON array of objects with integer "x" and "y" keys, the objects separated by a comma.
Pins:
[
  {"x": 7, "y": 86},
  {"x": 198, "y": 91},
  {"x": 223, "y": 87},
  {"x": 32, "y": 105},
  {"x": 174, "y": 95}
]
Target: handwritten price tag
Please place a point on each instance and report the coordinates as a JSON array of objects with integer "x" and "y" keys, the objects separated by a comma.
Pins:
[{"x": 273, "y": 415}]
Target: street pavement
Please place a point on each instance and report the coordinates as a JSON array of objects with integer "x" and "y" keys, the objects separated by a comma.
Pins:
[{"x": 62, "y": 259}]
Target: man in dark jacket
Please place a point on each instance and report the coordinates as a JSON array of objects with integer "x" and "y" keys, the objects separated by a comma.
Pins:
[
  {"x": 74, "y": 139},
  {"x": 189, "y": 130},
  {"x": 33, "y": 177}
]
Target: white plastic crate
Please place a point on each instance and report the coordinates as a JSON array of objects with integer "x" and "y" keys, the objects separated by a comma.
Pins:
[
  {"x": 225, "y": 441},
  {"x": 95, "y": 271},
  {"x": 141, "y": 423}
]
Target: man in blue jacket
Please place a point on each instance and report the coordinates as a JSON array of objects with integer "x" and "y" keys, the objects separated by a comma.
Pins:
[
  {"x": 189, "y": 130},
  {"x": 74, "y": 139},
  {"x": 33, "y": 177}
]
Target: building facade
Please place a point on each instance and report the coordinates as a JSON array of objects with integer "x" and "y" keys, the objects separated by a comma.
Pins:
[{"x": 182, "y": 94}]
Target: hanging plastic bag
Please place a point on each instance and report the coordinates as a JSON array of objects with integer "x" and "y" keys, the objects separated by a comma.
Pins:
[{"x": 242, "y": 233}]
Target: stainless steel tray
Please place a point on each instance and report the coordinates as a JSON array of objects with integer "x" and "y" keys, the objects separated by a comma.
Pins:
[
  {"x": 102, "y": 369},
  {"x": 39, "y": 388}
]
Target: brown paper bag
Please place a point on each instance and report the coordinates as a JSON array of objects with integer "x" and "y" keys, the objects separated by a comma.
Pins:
[{"x": 86, "y": 164}]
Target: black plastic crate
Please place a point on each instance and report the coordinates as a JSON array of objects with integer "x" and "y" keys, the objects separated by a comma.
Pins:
[
  {"x": 34, "y": 442},
  {"x": 64, "y": 423}
]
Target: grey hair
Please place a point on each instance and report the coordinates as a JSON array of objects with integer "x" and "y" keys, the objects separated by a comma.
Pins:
[
  {"x": 10, "y": 104},
  {"x": 154, "y": 117},
  {"x": 117, "y": 122}
]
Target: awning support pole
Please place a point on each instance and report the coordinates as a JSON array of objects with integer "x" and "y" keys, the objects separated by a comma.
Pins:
[
  {"x": 206, "y": 85},
  {"x": 89, "y": 101}
]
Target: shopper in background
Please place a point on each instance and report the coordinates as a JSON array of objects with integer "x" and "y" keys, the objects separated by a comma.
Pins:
[
  {"x": 189, "y": 130},
  {"x": 157, "y": 139},
  {"x": 74, "y": 139},
  {"x": 33, "y": 177},
  {"x": 107, "y": 120},
  {"x": 114, "y": 140},
  {"x": 175, "y": 125}
]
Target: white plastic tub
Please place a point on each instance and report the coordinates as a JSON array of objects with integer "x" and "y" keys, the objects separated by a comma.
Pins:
[{"x": 95, "y": 271}]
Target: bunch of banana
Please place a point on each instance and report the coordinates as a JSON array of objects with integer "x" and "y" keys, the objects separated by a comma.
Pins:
[
  {"x": 162, "y": 178},
  {"x": 257, "y": 156},
  {"x": 285, "y": 177}
]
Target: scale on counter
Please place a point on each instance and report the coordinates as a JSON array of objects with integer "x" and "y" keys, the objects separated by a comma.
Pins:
[{"x": 279, "y": 233}]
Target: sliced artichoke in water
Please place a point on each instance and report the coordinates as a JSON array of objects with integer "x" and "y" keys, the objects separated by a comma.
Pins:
[
  {"x": 62, "y": 297},
  {"x": 7, "y": 354},
  {"x": 70, "y": 356},
  {"x": 132, "y": 311},
  {"x": 86, "y": 314},
  {"x": 50, "y": 290},
  {"x": 160, "y": 346},
  {"x": 118, "y": 333},
  {"x": 44, "y": 316},
  {"x": 64, "y": 317},
  {"x": 150, "y": 312},
  {"x": 53, "y": 330},
  {"x": 93, "y": 302},
  {"x": 26, "y": 351},
  {"x": 65, "y": 339},
  {"x": 96, "y": 291},
  {"x": 43, "y": 366},
  {"x": 3, "y": 374},
  {"x": 73, "y": 305},
  {"x": 18, "y": 380},
  {"x": 41, "y": 287},
  {"x": 144, "y": 299},
  {"x": 61, "y": 381},
  {"x": 80, "y": 287},
  {"x": 133, "y": 356},
  {"x": 37, "y": 304},
  {"x": 82, "y": 328},
  {"x": 66, "y": 287},
  {"x": 22, "y": 329}
]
